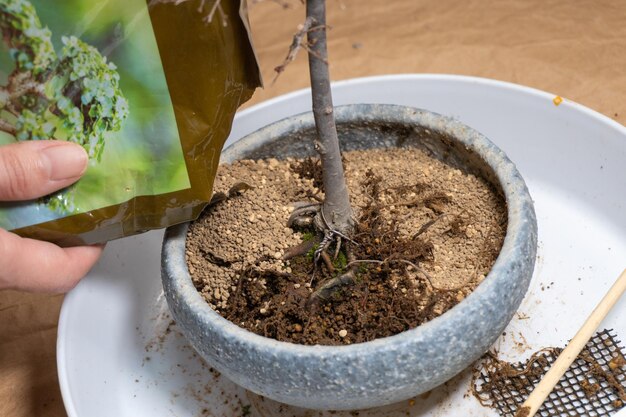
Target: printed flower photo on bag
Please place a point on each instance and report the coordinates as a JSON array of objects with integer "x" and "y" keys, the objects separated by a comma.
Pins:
[{"x": 88, "y": 73}]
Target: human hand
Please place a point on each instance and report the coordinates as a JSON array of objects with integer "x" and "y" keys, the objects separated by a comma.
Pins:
[{"x": 31, "y": 170}]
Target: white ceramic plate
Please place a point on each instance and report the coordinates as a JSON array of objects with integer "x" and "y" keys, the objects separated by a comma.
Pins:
[{"x": 117, "y": 356}]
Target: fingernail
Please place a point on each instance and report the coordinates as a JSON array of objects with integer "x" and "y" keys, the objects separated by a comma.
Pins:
[{"x": 64, "y": 162}]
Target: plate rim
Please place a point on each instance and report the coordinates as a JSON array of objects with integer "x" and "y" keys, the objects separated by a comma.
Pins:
[{"x": 469, "y": 79}]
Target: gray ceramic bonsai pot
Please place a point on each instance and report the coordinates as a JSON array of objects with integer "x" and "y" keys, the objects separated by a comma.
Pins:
[{"x": 386, "y": 370}]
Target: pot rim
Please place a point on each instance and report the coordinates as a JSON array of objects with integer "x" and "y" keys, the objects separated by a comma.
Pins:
[{"x": 521, "y": 233}]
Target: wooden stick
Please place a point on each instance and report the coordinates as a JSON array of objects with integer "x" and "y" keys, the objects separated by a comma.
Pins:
[{"x": 571, "y": 351}]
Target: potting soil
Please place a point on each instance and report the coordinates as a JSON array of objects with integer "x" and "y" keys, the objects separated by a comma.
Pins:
[{"x": 427, "y": 234}]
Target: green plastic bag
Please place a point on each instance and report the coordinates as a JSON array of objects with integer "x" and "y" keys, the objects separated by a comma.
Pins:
[{"x": 149, "y": 89}]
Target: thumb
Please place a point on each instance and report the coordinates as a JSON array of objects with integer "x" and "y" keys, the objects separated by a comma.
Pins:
[{"x": 34, "y": 169}]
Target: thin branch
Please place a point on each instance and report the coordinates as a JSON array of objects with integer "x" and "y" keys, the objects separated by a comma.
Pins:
[
  {"x": 311, "y": 51},
  {"x": 294, "y": 48},
  {"x": 6, "y": 104},
  {"x": 20, "y": 87},
  {"x": 7, "y": 127},
  {"x": 4, "y": 97},
  {"x": 20, "y": 83}
]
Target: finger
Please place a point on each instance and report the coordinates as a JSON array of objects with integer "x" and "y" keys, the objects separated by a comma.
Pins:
[
  {"x": 34, "y": 265},
  {"x": 34, "y": 169}
]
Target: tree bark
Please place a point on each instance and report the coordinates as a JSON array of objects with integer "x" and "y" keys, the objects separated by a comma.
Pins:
[
  {"x": 336, "y": 209},
  {"x": 7, "y": 127},
  {"x": 4, "y": 97}
]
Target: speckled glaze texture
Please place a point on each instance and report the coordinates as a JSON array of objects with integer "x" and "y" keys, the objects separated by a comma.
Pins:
[{"x": 386, "y": 370}]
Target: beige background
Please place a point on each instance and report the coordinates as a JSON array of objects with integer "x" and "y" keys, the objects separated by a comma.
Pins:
[{"x": 576, "y": 49}]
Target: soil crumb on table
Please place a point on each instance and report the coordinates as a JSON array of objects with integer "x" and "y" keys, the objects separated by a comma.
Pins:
[{"x": 432, "y": 232}]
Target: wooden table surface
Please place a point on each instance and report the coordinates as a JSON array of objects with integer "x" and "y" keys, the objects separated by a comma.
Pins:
[{"x": 576, "y": 49}]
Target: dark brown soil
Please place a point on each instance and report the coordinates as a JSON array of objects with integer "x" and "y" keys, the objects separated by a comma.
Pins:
[
  {"x": 424, "y": 240},
  {"x": 374, "y": 307},
  {"x": 523, "y": 412}
]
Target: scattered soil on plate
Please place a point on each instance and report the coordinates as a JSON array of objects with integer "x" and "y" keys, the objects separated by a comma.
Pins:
[{"x": 427, "y": 234}]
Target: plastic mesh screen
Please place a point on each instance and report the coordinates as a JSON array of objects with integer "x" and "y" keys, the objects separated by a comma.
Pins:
[{"x": 593, "y": 386}]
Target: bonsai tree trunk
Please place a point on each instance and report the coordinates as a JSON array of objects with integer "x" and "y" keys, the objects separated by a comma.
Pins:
[{"x": 336, "y": 212}]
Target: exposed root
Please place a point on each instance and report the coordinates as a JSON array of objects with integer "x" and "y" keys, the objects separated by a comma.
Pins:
[
  {"x": 598, "y": 372},
  {"x": 310, "y": 215},
  {"x": 218, "y": 198},
  {"x": 328, "y": 262},
  {"x": 216, "y": 260},
  {"x": 457, "y": 225},
  {"x": 238, "y": 188},
  {"x": 337, "y": 248},
  {"x": 324, "y": 244},
  {"x": 299, "y": 250},
  {"x": 234, "y": 191},
  {"x": 326, "y": 290},
  {"x": 378, "y": 243},
  {"x": 303, "y": 214},
  {"x": 427, "y": 226},
  {"x": 301, "y": 222},
  {"x": 436, "y": 202},
  {"x": 499, "y": 371},
  {"x": 426, "y": 276}
]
